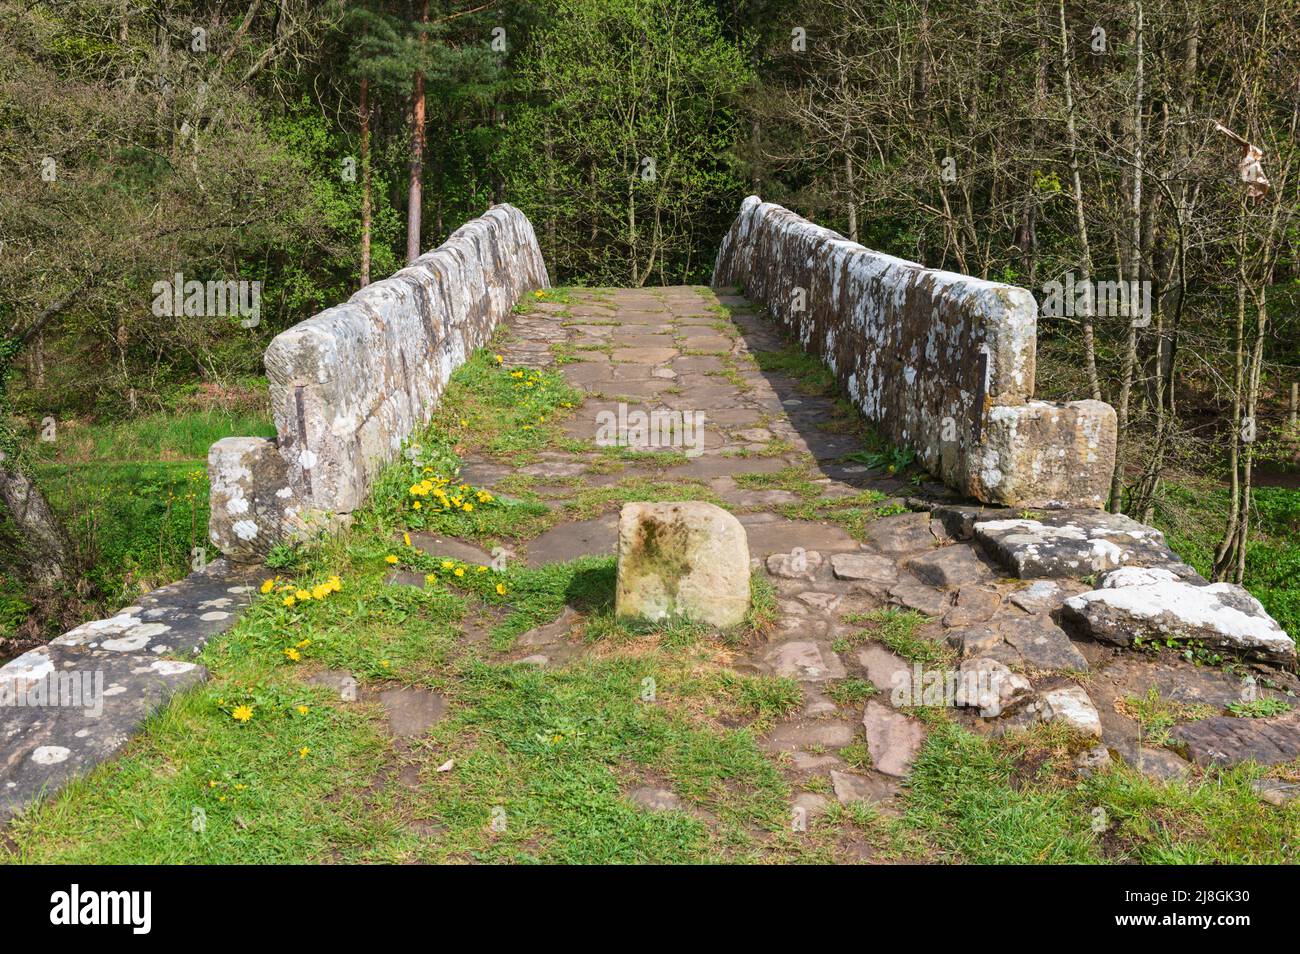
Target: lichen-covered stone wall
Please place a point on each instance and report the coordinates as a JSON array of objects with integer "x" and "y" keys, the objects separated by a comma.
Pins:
[
  {"x": 349, "y": 385},
  {"x": 939, "y": 362}
]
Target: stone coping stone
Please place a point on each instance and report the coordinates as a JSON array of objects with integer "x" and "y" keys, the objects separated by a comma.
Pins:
[
  {"x": 75, "y": 702},
  {"x": 68, "y": 708},
  {"x": 1156, "y": 605},
  {"x": 1076, "y": 543}
]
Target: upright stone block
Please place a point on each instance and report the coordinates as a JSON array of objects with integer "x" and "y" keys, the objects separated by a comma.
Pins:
[
  {"x": 251, "y": 499},
  {"x": 682, "y": 561},
  {"x": 1044, "y": 455}
]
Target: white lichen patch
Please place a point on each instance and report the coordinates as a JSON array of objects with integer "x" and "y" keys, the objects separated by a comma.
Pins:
[
  {"x": 126, "y": 644},
  {"x": 169, "y": 667},
  {"x": 1179, "y": 609},
  {"x": 50, "y": 754},
  {"x": 1138, "y": 576}
]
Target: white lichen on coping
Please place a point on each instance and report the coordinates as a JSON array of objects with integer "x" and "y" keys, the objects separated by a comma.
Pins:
[
  {"x": 50, "y": 754},
  {"x": 1193, "y": 606}
]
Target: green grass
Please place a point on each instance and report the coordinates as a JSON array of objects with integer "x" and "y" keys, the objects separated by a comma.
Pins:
[
  {"x": 1157, "y": 715},
  {"x": 896, "y": 629},
  {"x": 554, "y": 750},
  {"x": 847, "y": 692},
  {"x": 1013, "y": 801},
  {"x": 156, "y": 438},
  {"x": 812, "y": 375},
  {"x": 503, "y": 412},
  {"x": 134, "y": 498}
]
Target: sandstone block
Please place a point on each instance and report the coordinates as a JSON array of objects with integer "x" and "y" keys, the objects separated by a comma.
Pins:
[{"x": 685, "y": 560}]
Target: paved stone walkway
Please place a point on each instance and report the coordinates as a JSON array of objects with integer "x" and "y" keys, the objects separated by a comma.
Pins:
[{"x": 674, "y": 349}]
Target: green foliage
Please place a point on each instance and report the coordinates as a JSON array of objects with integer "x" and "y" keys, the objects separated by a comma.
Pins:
[
  {"x": 621, "y": 156},
  {"x": 133, "y": 497},
  {"x": 1264, "y": 708}
]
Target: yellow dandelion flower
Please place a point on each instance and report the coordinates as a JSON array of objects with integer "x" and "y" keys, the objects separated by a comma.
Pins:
[
  {"x": 268, "y": 586},
  {"x": 293, "y": 655},
  {"x": 430, "y": 578},
  {"x": 384, "y": 663},
  {"x": 303, "y": 710},
  {"x": 290, "y": 600},
  {"x": 499, "y": 359},
  {"x": 302, "y": 595},
  {"x": 242, "y": 713},
  {"x": 416, "y": 505},
  {"x": 303, "y": 643},
  {"x": 302, "y": 752},
  {"x": 460, "y": 571},
  {"x": 464, "y": 423},
  {"x": 406, "y": 538},
  {"x": 468, "y": 507},
  {"x": 390, "y": 559},
  {"x": 501, "y": 589},
  {"x": 481, "y": 569},
  {"x": 212, "y": 783},
  {"x": 447, "y": 564}
]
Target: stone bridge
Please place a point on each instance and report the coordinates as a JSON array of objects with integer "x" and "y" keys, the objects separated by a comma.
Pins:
[{"x": 1024, "y": 582}]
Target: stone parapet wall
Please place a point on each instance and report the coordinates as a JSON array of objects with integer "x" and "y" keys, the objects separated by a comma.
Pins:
[
  {"x": 939, "y": 362},
  {"x": 349, "y": 385}
]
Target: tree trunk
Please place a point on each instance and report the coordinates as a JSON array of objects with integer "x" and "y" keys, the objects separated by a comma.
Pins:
[
  {"x": 415, "y": 195},
  {"x": 36, "y": 361},
  {"x": 48, "y": 556},
  {"x": 365, "y": 182},
  {"x": 1080, "y": 222},
  {"x": 1135, "y": 275},
  {"x": 1224, "y": 557}
]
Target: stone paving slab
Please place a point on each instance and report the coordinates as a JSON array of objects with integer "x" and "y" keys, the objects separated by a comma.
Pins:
[
  {"x": 68, "y": 705},
  {"x": 1076, "y": 543},
  {"x": 67, "y": 708}
]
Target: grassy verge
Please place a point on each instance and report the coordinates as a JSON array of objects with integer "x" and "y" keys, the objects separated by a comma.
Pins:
[
  {"x": 134, "y": 498},
  {"x": 1015, "y": 800}
]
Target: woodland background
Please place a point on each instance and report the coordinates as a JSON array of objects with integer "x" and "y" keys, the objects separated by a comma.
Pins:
[{"x": 313, "y": 146}]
